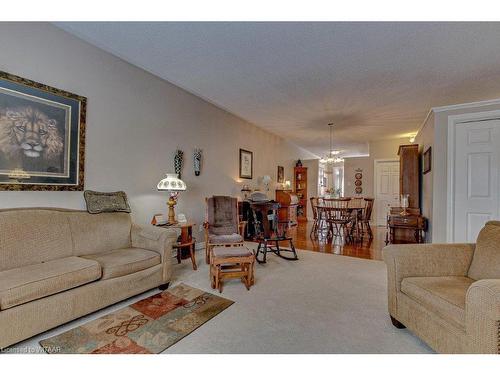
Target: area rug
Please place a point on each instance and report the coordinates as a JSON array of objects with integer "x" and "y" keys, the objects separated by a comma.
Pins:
[{"x": 150, "y": 325}]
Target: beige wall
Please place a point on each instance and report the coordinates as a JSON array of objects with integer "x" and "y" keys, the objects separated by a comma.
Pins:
[
  {"x": 135, "y": 123},
  {"x": 437, "y": 135},
  {"x": 425, "y": 139},
  {"x": 312, "y": 182},
  {"x": 383, "y": 149},
  {"x": 350, "y": 167}
]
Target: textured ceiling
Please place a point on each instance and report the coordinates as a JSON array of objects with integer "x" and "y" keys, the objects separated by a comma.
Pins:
[{"x": 373, "y": 80}]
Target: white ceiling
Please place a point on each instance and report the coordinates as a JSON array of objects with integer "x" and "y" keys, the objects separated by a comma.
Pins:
[{"x": 373, "y": 80}]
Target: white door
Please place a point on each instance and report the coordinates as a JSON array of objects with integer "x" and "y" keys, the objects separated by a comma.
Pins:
[
  {"x": 476, "y": 185},
  {"x": 386, "y": 189}
]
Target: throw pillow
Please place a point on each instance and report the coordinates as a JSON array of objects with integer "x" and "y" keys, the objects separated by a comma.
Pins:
[{"x": 98, "y": 202}]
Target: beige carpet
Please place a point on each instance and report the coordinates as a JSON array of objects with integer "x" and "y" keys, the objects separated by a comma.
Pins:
[{"x": 322, "y": 303}]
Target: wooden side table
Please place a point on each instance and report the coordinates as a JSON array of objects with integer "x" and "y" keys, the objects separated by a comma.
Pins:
[
  {"x": 186, "y": 243},
  {"x": 190, "y": 245},
  {"x": 410, "y": 223}
]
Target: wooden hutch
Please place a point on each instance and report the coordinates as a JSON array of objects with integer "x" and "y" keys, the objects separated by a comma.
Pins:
[
  {"x": 407, "y": 228},
  {"x": 288, "y": 206},
  {"x": 409, "y": 182},
  {"x": 300, "y": 185}
]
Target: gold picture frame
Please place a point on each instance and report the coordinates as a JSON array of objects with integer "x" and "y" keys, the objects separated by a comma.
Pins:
[{"x": 46, "y": 129}]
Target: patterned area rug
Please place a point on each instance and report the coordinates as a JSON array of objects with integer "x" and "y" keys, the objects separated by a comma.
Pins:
[{"x": 150, "y": 325}]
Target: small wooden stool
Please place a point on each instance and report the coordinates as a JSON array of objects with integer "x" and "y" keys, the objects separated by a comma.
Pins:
[{"x": 230, "y": 263}]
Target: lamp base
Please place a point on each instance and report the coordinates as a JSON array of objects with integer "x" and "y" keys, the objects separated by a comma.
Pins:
[{"x": 171, "y": 212}]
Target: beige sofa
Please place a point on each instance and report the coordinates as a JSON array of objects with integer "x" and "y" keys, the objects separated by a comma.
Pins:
[
  {"x": 448, "y": 294},
  {"x": 57, "y": 265}
]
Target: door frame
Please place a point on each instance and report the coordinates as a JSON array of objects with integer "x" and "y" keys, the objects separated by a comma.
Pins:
[
  {"x": 453, "y": 121},
  {"x": 376, "y": 162}
]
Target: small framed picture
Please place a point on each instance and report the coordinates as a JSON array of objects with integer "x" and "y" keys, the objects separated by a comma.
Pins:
[
  {"x": 246, "y": 164},
  {"x": 281, "y": 174},
  {"x": 427, "y": 160},
  {"x": 159, "y": 219}
]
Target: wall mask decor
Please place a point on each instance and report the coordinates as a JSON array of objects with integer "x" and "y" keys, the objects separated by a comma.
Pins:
[
  {"x": 197, "y": 161},
  {"x": 42, "y": 136},
  {"x": 178, "y": 162}
]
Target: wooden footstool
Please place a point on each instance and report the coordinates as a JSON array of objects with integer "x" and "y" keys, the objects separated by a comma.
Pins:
[{"x": 230, "y": 263}]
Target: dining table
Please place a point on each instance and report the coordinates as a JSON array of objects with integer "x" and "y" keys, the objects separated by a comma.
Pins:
[{"x": 355, "y": 208}]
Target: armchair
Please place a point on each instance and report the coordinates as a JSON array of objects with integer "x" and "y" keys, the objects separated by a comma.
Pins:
[
  {"x": 448, "y": 294},
  {"x": 222, "y": 224}
]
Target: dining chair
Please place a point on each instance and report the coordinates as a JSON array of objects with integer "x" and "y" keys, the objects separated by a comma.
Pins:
[
  {"x": 356, "y": 201},
  {"x": 366, "y": 217},
  {"x": 338, "y": 216},
  {"x": 314, "y": 208}
]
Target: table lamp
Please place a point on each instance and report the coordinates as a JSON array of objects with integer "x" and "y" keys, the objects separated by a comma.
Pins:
[
  {"x": 266, "y": 180},
  {"x": 174, "y": 185}
]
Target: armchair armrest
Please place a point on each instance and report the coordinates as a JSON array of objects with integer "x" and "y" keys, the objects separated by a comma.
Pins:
[
  {"x": 482, "y": 316},
  {"x": 423, "y": 260},
  {"x": 156, "y": 239},
  {"x": 241, "y": 227}
]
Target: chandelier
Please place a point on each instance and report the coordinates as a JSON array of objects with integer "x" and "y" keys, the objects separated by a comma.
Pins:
[{"x": 332, "y": 156}]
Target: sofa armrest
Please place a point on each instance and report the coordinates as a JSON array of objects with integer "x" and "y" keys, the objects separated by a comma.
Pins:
[
  {"x": 482, "y": 316},
  {"x": 156, "y": 239},
  {"x": 423, "y": 260}
]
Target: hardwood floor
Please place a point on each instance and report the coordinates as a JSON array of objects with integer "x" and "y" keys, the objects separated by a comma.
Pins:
[{"x": 366, "y": 249}]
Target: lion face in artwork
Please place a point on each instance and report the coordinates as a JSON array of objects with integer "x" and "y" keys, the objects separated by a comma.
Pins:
[{"x": 30, "y": 132}]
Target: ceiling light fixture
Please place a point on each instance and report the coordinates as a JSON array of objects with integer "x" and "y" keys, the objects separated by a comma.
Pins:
[{"x": 331, "y": 157}]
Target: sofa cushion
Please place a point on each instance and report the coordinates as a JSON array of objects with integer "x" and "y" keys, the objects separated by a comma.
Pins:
[
  {"x": 33, "y": 235},
  {"x": 96, "y": 233},
  {"x": 225, "y": 238},
  {"x": 444, "y": 295},
  {"x": 28, "y": 283},
  {"x": 486, "y": 260},
  {"x": 122, "y": 262}
]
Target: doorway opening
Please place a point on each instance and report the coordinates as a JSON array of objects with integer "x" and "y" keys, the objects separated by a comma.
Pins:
[{"x": 386, "y": 179}]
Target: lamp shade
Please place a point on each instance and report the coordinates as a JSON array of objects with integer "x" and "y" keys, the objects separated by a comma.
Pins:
[{"x": 171, "y": 183}]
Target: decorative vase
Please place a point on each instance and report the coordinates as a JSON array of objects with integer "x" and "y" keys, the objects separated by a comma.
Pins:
[
  {"x": 299, "y": 163},
  {"x": 197, "y": 161},
  {"x": 404, "y": 204},
  {"x": 178, "y": 160}
]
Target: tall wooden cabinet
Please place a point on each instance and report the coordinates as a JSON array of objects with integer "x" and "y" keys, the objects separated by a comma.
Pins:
[
  {"x": 407, "y": 228},
  {"x": 300, "y": 184},
  {"x": 409, "y": 182}
]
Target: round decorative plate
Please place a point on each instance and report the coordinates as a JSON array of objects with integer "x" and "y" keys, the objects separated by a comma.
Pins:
[
  {"x": 358, "y": 183},
  {"x": 359, "y": 190},
  {"x": 358, "y": 176}
]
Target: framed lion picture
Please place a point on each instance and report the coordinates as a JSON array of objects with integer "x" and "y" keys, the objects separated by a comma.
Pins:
[{"x": 42, "y": 136}]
